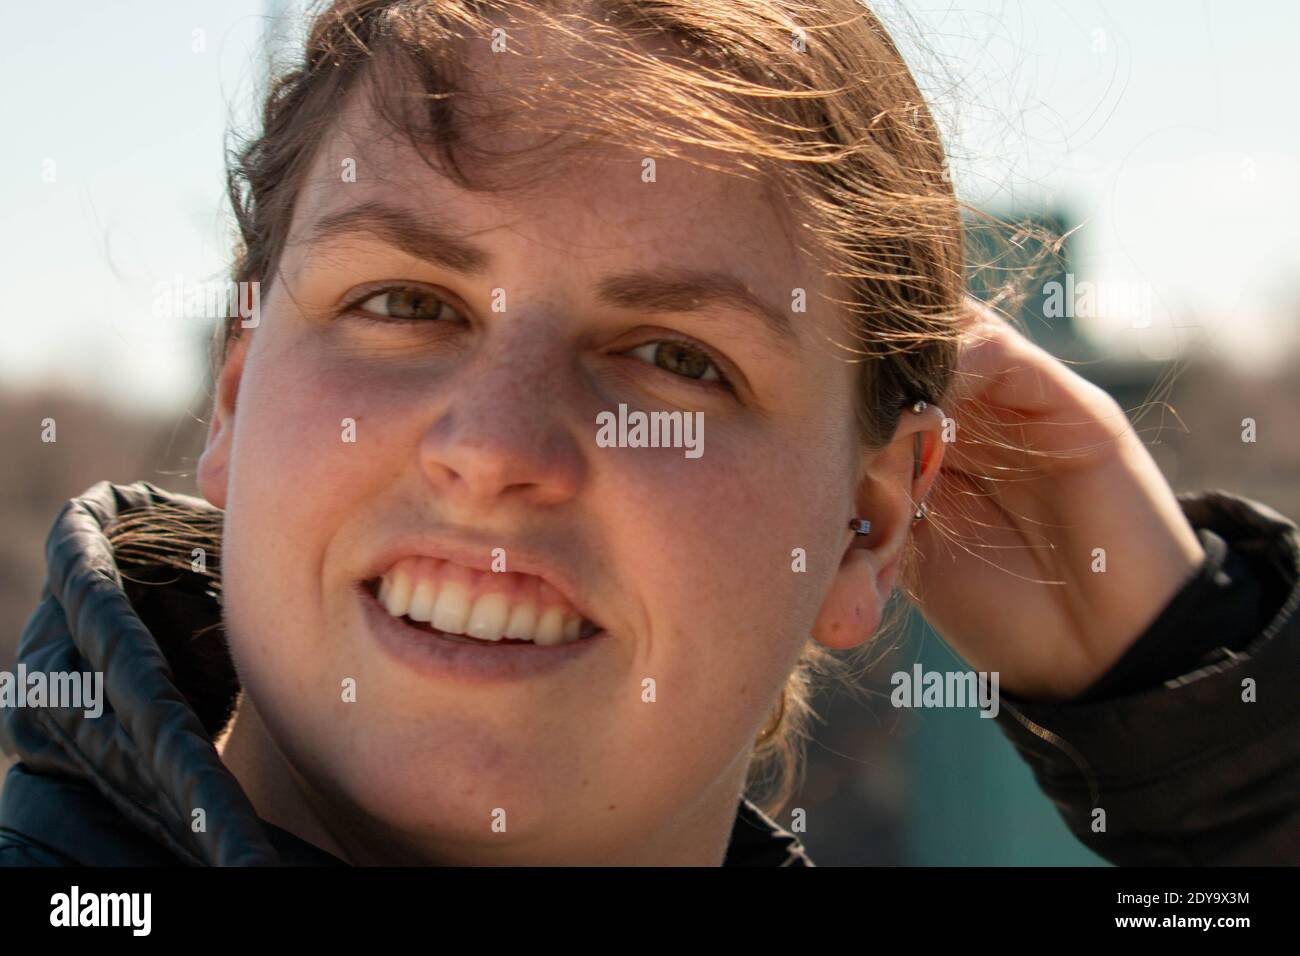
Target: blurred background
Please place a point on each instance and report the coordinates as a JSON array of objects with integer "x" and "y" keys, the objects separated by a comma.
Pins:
[{"x": 1158, "y": 139}]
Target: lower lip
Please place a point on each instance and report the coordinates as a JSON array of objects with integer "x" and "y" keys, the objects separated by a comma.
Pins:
[{"x": 435, "y": 656}]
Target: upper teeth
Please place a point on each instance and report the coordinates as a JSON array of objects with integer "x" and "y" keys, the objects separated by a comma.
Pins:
[{"x": 487, "y": 606}]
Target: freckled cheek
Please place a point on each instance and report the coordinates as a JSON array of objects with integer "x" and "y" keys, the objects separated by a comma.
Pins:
[
  {"x": 309, "y": 433},
  {"x": 296, "y": 480},
  {"x": 709, "y": 557}
]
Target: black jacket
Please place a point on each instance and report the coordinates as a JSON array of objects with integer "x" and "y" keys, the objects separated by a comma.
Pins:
[{"x": 1185, "y": 771}]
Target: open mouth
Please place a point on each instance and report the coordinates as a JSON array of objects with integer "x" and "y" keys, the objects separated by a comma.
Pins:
[{"x": 473, "y": 607}]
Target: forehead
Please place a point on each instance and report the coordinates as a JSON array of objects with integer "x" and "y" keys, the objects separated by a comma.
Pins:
[{"x": 597, "y": 206}]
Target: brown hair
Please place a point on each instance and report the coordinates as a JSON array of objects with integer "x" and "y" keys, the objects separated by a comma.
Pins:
[{"x": 810, "y": 98}]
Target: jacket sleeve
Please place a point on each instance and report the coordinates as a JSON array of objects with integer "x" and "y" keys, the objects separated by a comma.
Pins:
[
  {"x": 18, "y": 850},
  {"x": 1187, "y": 752}
]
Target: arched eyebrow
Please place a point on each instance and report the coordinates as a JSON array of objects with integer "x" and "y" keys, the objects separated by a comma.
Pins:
[
  {"x": 671, "y": 290},
  {"x": 689, "y": 290},
  {"x": 415, "y": 235}
]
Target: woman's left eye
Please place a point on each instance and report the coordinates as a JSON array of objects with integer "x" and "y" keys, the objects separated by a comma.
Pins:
[
  {"x": 408, "y": 304},
  {"x": 681, "y": 359}
]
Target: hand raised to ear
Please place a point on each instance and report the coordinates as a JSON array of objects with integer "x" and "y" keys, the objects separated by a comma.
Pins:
[{"x": 1046, "y": 478}]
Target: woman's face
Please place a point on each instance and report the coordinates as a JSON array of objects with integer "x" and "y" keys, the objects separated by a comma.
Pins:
[{"x": 425, "y": 383}]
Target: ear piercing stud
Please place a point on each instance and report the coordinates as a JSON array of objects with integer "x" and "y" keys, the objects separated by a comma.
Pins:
[
  {"x": 862, "y": 525},
  {"x": 918, "y": 406}
]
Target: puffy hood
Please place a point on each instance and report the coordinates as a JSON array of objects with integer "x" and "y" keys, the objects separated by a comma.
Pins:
[{"x": 121, "y": 787}]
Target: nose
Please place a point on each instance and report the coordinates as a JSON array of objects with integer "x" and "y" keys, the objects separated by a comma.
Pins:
[{"x": 505, "y": 430}]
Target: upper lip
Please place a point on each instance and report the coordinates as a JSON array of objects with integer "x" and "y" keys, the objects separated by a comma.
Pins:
[{"x": 476, "y": 553}]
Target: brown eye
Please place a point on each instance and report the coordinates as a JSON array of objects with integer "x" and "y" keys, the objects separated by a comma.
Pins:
[
  {"x": 680, "y": 359},
  {"x": 409, "y": 304}
]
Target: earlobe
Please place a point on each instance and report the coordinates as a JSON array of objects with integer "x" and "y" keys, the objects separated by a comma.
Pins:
[
  {"x": 212, "y": 472},
  {"x": 852, "y": 610}
]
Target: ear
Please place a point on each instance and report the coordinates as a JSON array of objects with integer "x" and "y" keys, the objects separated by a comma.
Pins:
[
  {"x": 213, "y": 470},
  {"x": 891, "y": 488}
]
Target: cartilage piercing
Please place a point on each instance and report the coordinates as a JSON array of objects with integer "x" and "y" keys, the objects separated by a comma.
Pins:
[
  {"x": 918, "y": 407},
  {"x": 862, "y": 525}
]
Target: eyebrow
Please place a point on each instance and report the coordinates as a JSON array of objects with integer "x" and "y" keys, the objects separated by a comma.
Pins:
[
  {"x": 671, "y": 290},
  {"x": 414, "y": 235}
]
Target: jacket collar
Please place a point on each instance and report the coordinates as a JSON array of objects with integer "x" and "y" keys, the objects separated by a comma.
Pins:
[{"x": 170, "y": 687}]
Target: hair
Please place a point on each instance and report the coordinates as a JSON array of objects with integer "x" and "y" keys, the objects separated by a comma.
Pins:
[{"x": 810, "y": 99}]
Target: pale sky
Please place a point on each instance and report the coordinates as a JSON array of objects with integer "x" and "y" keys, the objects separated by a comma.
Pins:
[{"x": 1170, "y": 127}]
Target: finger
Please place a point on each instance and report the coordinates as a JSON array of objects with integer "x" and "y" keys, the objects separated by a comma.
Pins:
[{"x": 998, "y": 366}]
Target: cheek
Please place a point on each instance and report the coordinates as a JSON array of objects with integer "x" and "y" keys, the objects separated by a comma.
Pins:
[
  {"x": 314, "y": 437},
  {"x": 309, "y": 442},
  {"x": 308, "y": 428},
  {"x": 706, "y": 546}
]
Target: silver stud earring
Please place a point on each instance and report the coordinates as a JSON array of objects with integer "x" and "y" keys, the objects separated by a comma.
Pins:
[
  {"x": 915, "y": 445},
  {"x": 860, "y": 526},
  {"x": 922, "y": 511}
]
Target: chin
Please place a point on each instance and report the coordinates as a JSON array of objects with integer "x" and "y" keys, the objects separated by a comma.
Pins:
[{"x": 453, "y": 782}]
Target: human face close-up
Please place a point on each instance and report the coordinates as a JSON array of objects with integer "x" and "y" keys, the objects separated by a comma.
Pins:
[{"x": 359, "y": 431}]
